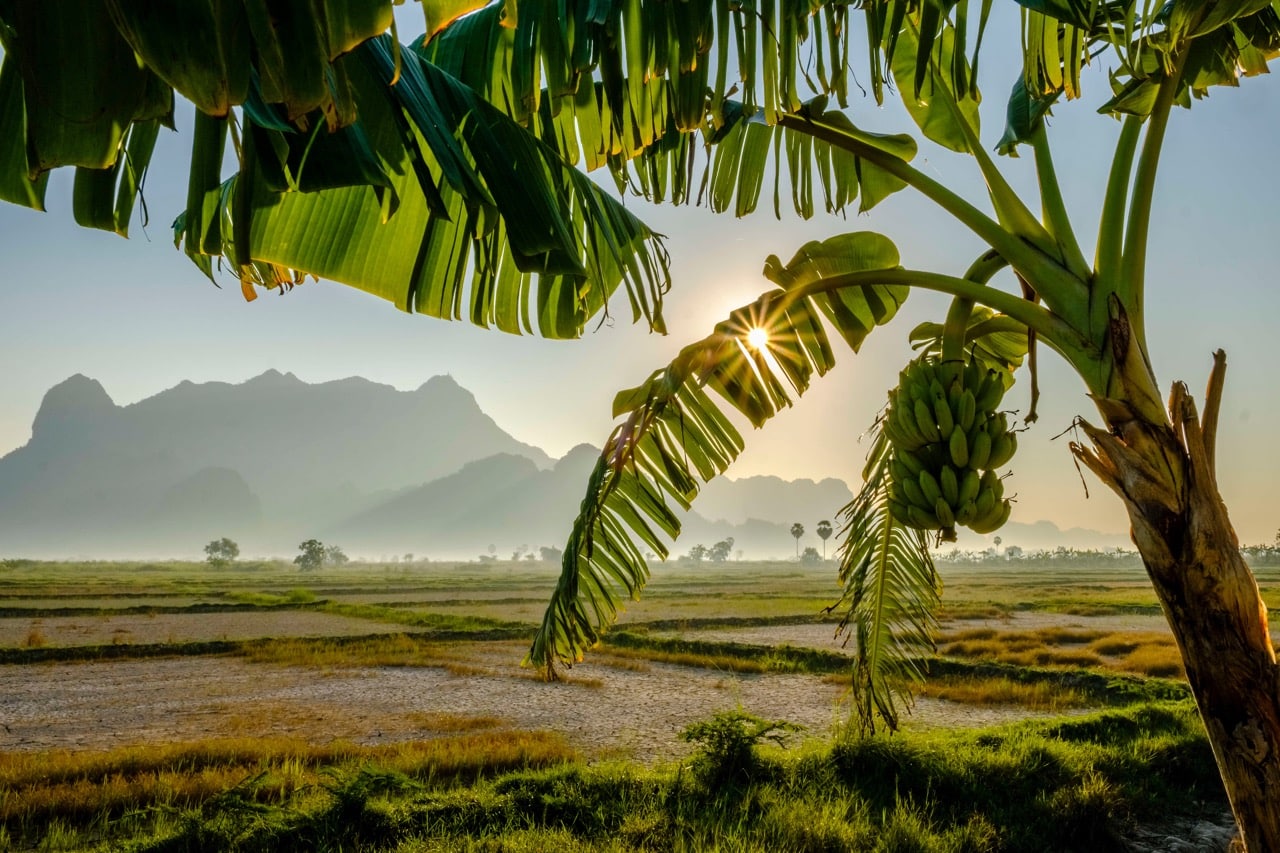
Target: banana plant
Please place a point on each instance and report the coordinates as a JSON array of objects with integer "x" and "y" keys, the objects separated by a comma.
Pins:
[{"x": 442, "y": 176}]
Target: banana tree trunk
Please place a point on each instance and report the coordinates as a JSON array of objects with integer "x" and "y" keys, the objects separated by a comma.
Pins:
[{"x": 1164, "y": 473}]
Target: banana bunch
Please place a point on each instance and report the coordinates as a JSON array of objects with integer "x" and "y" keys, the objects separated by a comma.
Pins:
[{"x": 948, "y": 439}]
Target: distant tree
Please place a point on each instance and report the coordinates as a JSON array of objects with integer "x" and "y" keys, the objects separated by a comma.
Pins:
[
  {"x": 312, "y": 556},
  {"x": 998, "y": 542},
  {"x": 530, "y": 557},
  {"x": 408, "y": 558},
  {"x": 797, "y": 530},
  {"x": 221, "y": 553},
  {"x": 810, "y": 556},
  {"x": 1013, "y": 552},
  {"x": 550, "y": 554},
  {"x": 720, "y": 551},
  {"x": 335, "y": 556},
  {"x": 699, "y": 552},
  {"x": 824, "y": 533}
]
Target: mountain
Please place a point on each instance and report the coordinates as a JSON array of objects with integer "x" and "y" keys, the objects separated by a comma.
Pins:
[
  {"x": 504, "y": 500},
  {"x": 265, "y": 460},
  {"x": 274, "y": 460},
  {"x": 507, "y": 501}
]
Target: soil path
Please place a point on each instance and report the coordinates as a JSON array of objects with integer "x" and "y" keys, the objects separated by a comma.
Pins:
[{"x": 604, "y": 710}]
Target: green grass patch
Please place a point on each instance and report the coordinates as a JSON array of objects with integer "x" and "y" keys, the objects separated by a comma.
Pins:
[{"x": 1056, "y": 785}]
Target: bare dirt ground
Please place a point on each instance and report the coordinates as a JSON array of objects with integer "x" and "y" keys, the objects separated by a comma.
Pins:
[{"x": 605, "y": 710}]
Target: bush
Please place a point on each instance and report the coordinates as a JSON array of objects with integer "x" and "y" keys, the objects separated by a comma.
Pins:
[{"x": 728, "y": 742}]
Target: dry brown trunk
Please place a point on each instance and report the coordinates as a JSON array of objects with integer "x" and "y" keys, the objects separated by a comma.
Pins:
[{"x": 1165, "y": 475}]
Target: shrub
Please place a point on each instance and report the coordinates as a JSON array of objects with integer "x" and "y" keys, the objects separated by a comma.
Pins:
[{"x": 728, "y": 742}]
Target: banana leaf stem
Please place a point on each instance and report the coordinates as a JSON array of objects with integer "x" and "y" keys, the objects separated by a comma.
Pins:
[
  {"x": 1056, "y": 217},
  {"x": 1049, "y": 327},
  {"x": 1110, "y": 251},
  {"x": 957, "y": 323},
  {"x": 1131, "y": 285},
  {"x": 1056, "y": 285}
]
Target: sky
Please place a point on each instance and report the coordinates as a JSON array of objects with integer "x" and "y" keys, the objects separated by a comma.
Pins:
[{"x": 137, "y": 316}]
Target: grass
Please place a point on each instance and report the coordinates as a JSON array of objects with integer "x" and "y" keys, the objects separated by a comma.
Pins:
[
  {"x": 1040, "y": 696},
  {"x": 1049, "y": 785},
  {"x": 89, "y": 789},
  {"x": 1146, "y": 653}
]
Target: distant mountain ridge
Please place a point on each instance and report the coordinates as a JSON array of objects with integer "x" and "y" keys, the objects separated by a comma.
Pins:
[
  {"x": 275, "y": 460},
  {"x": 95, "y": 476}
]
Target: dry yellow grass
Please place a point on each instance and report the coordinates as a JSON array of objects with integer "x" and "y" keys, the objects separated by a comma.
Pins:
[
  {"x": 41, "y": 786},
  {"x": 1160, "y": 661},
  {"x": 35, "y": 638},
  {"x": 1002, "y": 691},
  {"x": 395, "y": 650},
  {"x": 1149, "y": 653}
]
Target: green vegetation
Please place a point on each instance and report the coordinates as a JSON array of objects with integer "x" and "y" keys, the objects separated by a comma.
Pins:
[
  {"x": 221, "y": 553},
  {"x": 1051, "y": 785}
]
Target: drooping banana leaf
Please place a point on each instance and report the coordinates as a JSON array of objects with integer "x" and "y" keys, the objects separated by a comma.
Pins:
[
  {"x": 890, "y": 598},
  {"x": 16, "y": 185},
  {"x": 82, "y": 85},
  {"x": 741, "y": 155},
  {"x": 490, "y": 225},
  {"x": 676, "y": 431}
]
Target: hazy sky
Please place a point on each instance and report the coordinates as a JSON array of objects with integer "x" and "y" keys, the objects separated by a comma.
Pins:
[{"x": 137, "y": 316}]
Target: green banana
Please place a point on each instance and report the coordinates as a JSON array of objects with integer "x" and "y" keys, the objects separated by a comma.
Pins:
[
  {"x": 945, "y": 516},
  {"x": 1002, "y": 449},
  {"x": 991, "y": 392},
  {"x": 985, "y": 501},
  {"x": 950, "y": 485},
  {"x": 942, "y": 414},
  {"x": 969, "y": 485},
  {"x": 980, "y": 449},
  {"x": 914, "y": 494},
  {"x": 917, "y": 389},
  {"x": 905, "y": 421},
  {"x": 959, "y": 447},
  {"x": 929, "y": 487},
  {"x": 967, "y": 410},
  {"x": 973, "y": 374},
  {"x": 911, "y": 462},
  {"x": 899, "y": 511},
  {"x": 924, "y": 421},
  {"x": 966, "y": 513},
  {"x": 994, "y": 520},
  {"x": 922, "y": 519}
]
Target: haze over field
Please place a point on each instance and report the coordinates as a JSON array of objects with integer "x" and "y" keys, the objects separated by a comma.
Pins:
[{"x": 275, "y": 460}]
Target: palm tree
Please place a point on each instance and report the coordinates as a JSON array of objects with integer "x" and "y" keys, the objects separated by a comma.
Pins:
[
  {"x": 824, "y": 533},
  {"x": 797, "y": 530},
  {"x": 447, "y": 177}
]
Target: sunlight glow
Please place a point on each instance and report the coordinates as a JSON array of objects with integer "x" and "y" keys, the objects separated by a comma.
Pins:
[{"x": 757, "y": 338}]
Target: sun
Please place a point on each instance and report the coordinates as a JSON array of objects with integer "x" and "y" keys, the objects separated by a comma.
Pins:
[{"x": 758, "y": 338}]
